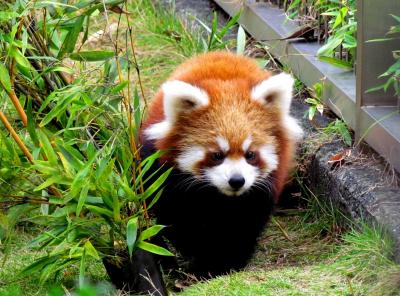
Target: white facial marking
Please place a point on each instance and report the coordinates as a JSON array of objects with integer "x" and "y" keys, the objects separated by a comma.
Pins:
[
  {"x": 246, "y": 143},
  {"x": 219, "y": 175},
  {"x": 223, "y": 144},
  {"x": 187, "y": 160},
  {"x": 177, "y": 93},
  {"x": 158, "y": 130},
  {"x": 280, "y": 86},
  {"x": 295, "y": 131},
  {"x": 268, "y": 154}
]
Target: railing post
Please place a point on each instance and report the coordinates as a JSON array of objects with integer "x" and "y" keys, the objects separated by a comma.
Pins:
[{"x": 374, "y": 58}]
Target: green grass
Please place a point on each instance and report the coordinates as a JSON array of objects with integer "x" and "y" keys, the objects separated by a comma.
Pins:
[
  {"x": 294, "y": 257},
  {"x": 22, "y": 254},
  {"x": 356, "y": 263},
  {"x": 313, "y": 250},
  {"x": 282, "y": 281}
]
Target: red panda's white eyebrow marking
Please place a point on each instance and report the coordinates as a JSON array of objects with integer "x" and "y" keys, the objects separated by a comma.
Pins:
[
  {"x": 188, "y": 159},
  {"x": 223, "y": 144},
  {"x": 246, "y": 143},
  {"x": 268, "y": 154}
]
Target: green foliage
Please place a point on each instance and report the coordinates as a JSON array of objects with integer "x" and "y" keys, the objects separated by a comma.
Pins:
[
  {"x": 315, "y": 101},
  {"x": 367, "y": 257},
  {"x": 339, "y": 128},
  {"x": 165, "y": 40},
  {"x": 333, "y": 20},
  {"x": 187, "y": 38},
  {"x": 343, "y": 29},
  {"x": 321, "y": 216},
  {"x": 365, "y": 249},
  {"x": 86, "y": 188},
  {"x": 392, "y": 74},
  {"x": 216, "y": 36},
  {"x": 335, "y": 128}
]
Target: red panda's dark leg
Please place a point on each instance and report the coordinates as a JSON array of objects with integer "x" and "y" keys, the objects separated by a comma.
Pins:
[{"x": 141, "y": 274}]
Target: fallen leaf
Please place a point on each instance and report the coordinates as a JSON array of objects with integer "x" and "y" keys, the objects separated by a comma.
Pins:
[
  {"x": 118, "y": 9},
  {"x": 340, "y": 156}
]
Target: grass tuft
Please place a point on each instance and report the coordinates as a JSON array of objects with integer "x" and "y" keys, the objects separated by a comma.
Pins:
[{"x": 366, "y": 256}]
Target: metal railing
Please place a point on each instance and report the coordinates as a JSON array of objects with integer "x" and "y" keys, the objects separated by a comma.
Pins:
[{"x": 373, "y": 116}]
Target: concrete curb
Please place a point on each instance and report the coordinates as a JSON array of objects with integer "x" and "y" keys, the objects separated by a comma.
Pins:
[
  {"x": 362, "y": 185},
  {"x": 363, "y": 188}
]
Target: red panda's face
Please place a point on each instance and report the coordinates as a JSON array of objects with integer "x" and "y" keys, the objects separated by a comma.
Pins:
[
  {"x": 232, "y": 169},
  {"x": 226, "y": 134}
]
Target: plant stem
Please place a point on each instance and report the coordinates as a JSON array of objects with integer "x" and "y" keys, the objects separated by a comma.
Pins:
[
  {"x": 15, "y": 136},
  {"x": 23, "y": 148},
  {"x": 18, "y": 107}
]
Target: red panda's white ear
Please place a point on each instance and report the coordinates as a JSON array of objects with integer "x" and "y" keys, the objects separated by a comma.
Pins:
[
  {"x": 275, "y": 91},
  {"x": 180, "y": 97}
]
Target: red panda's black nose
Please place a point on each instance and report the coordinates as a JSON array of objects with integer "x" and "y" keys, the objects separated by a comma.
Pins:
[{"x": 236, "y": 182}]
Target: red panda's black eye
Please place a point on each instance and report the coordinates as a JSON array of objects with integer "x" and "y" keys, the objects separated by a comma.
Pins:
[
  {"x": 250, "y": 156},
  {"x": 217, "y": 156}
]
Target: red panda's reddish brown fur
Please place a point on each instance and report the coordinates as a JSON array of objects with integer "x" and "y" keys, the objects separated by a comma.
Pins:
[
  {"x": 225, "y": 128},
  {"x": 228, "y": 80}
]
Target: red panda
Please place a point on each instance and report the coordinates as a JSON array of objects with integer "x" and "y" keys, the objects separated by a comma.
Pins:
[{"x": 225, "y": 127}]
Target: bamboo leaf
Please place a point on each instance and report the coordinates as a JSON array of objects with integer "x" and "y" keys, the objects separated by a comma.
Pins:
[
  {"x": 60, "y": 107},
  {"x": 120, "y": 86},
  {"x": 68, "y": 45},
  {"x": 229, "y": 24},
  {"x": 137, "y": 110},
  {"x": 5, "y": 78},
  {"x": 38, "y": 265},
  {"x": 104, "y": 172},
  {"x": 131, "y": 234},
  {"x": 82, "y": 199},
  {"x": 73, "y": 156},
  {"x": 68, "y": 169},
  {"x": 54, "y": 267},
  {"x": 91, "y": 250},
  {"x": 57, "y": 179},
  {"x": 146, "y": 164},
  {"x": 116, "y": 206},
  {"x": 47, "y": 148},
  {"x": 31, "y": 124},
  {"x": 330, "y": 46},
  {"x": 92, "y": 56},
  {"x": 100, "y": 211},
  {"x": 336, "y": 62},
  {"x": 151, "y": 231},
  {"x": 154, "y": 249},
  {"x": 155, "y": 198},
  {"x": 79, "y": 179},
  {"x": 20, "y": 58},
  {"x": 155, "y": 185}
]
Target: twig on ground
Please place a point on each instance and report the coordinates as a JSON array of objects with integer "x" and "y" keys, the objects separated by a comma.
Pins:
[{"x": 285, "y": 234}]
